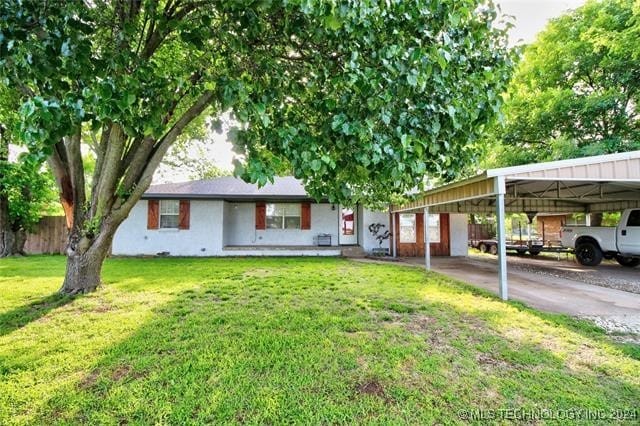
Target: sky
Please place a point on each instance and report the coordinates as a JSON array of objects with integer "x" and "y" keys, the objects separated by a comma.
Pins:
[{"x": 531, "y": 16}]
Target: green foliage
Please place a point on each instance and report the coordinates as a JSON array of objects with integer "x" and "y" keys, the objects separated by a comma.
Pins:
[
  {"x": 577, "y": 90},
  {"x": 28, "y": 189},
  {"x": 30, "y": 192},
  {"x": 295, "y": 341},
  {"x": 361, "y": 100}
]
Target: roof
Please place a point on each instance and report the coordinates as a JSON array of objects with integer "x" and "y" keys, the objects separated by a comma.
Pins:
[
  {"x": 590, "y": 184},
  {"x": 230, "y": 188}
]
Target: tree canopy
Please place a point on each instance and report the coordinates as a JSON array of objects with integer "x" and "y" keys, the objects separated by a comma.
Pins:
[
  {"x": 360, "y": 99},
  {"x": 576, "y": 90}
]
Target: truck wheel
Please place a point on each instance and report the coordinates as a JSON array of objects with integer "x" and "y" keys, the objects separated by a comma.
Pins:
[
  {"x": 534, "y": 252},
  {"x": 493, "y": 249},
  {"x": 629, "y": 262},
  {"x": 588, "y": 254},
  {"x": 483, "y": 248}
]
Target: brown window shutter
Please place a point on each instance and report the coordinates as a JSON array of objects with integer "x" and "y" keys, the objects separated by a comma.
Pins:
[
  {"x": 305, "y": 216},
  {"x": 153, "y": 214},
  {"x": 261, "y": 216},
  {"x": 183, "y": 218}
]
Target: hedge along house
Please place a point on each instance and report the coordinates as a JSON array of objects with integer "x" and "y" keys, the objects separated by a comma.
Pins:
[{"x": 229, "y": 217}]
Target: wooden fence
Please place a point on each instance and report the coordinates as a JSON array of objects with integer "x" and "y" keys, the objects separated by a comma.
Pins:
[{"x": 49, "y": 237}]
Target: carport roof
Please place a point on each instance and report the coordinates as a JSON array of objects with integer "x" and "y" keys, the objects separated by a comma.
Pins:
[{"x": 591, "y": 184}]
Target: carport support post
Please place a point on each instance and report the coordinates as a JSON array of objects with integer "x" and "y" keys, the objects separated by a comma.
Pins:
[
  {"x": 427, "y": 242},
  {"x": 393, "y": 233},
  {"x": 502, "y": 243}
]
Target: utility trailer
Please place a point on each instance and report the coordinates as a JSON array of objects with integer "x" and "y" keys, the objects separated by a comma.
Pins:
[{"x": 534, "y": 247}]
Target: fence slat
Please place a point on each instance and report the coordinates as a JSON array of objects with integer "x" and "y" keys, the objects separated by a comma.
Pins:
[{"x": 49, "y": 236}]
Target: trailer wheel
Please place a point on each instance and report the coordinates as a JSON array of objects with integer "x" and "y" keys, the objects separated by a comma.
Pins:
[
  {"x": 493, "y": 249},
  {"x": 629, "y": 262},
  {"x": 521, "y": 252},
  {"x": 483, "y": 248},
  {"x": 588, "y": 254}
]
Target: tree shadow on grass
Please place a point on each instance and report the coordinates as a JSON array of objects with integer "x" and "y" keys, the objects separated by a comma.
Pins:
[
  {"x": 235, "y": 355},
  {"x": 25, "y": 314}
]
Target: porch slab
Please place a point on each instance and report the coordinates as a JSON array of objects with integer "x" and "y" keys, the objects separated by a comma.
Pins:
[{"x": 281, "y": 251}]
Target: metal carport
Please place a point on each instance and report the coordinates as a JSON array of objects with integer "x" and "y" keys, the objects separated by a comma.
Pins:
[{"x": 588, "y": 185}]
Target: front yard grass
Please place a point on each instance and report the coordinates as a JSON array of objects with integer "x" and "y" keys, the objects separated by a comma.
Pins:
[{"x": 191, "y": 341}]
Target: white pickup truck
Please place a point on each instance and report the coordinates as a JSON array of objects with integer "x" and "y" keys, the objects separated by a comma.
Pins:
[{"x": 593, "y": 243}]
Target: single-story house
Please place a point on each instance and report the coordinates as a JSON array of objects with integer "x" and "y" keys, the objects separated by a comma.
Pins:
[{"x": 229, "y": 217}]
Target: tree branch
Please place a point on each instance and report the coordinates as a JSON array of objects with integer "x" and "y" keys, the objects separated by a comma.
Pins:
[
  {"x": 145, "y": 175},
  {"x": 59, "y": 167},
  {"x": 76, "y": 173}
]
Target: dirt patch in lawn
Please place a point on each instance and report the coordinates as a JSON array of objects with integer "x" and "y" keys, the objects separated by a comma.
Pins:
[
  {"x": 124, "y": 371},
  {"x": 89, "y": 380},
  {"x": 371, "y": 387},
  {"x": 258, "y": 273}
]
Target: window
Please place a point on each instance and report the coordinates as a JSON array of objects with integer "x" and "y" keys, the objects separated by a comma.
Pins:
[
  {"x": 169, "y": 213},
  {"x": 434, "y": 228},
  {"x": 407, "y": 228},
  {"x": 634, "y": 218},
  {"x": 283, "y": 216}
]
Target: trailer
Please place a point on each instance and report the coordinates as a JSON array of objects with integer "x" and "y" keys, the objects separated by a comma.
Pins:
[{"x": 534, "y": 247}]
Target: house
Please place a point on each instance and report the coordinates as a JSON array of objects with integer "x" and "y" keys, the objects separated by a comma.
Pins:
[{"x": 229, "y": 217}]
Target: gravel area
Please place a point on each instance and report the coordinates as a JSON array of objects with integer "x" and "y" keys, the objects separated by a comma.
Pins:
[
  {"x": 628, "y": 329},
  {"x": 608, "y": 274}
]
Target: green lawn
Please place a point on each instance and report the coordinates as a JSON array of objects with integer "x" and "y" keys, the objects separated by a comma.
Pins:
[{"x": 189, "y": 341}]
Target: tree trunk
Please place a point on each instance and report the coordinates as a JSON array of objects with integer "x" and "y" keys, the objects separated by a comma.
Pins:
[
  {"x": 12, "y": 242},
  {"x": 83, "y": 272},
  {"x": 84, "y": 261}
]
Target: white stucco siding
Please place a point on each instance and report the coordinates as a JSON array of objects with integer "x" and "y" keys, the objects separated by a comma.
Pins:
[
  {"x": 459, "y": 234},
  {"x": 203, "y": 238},
  {"x": 240, "y": 229},
  {"x": 368, "y": 241}
]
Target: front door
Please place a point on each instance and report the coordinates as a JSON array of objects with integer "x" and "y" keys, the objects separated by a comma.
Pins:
[
  {"x": 629, "y": 234},
  {"x": 348, "y": 223}
]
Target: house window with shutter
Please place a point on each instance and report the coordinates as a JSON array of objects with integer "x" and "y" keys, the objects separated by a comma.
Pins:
[
  {"x": 283, "y": 216},
  {"x": 169, "y": 214}
]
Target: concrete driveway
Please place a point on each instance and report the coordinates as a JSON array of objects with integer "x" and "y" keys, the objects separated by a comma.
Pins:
[{"x": 612, "y": 309}]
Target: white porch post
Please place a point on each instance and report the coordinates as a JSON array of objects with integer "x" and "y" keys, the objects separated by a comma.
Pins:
[
  {"x": 427, "y": 242},
  {"x": 393, "y": 233},
  {"x": 502, "y": 244}
]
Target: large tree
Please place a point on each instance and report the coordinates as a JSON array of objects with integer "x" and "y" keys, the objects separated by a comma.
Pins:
[
  {"x": 362, "y": 99},
  {"x": 25, "y": 188},
  {"x": 576, "y": 91}
]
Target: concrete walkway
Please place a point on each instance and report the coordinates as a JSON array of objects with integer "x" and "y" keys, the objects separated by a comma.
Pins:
[{"x": 614, "y": 310}]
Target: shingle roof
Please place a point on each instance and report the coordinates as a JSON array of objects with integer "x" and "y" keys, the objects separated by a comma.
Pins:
[{"x": 229, "y": 187}]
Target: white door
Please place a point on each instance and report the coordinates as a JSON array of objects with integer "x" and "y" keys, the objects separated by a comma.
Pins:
[
  {"x": 629, "y": 234},
  {"x": 348, "y": 226}
]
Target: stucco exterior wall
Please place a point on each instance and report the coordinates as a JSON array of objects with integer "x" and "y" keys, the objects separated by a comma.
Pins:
[
  {"x": 240, "y": 229},
  {"x": 459, "y": 234},
  {"x": 215, "y": 224},
  {"x": 203, "y": 238},
  {"x": 367, "y": 240}
]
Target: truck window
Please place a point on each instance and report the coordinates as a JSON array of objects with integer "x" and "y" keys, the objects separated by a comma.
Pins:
[{"x": 634, "y": 218}]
